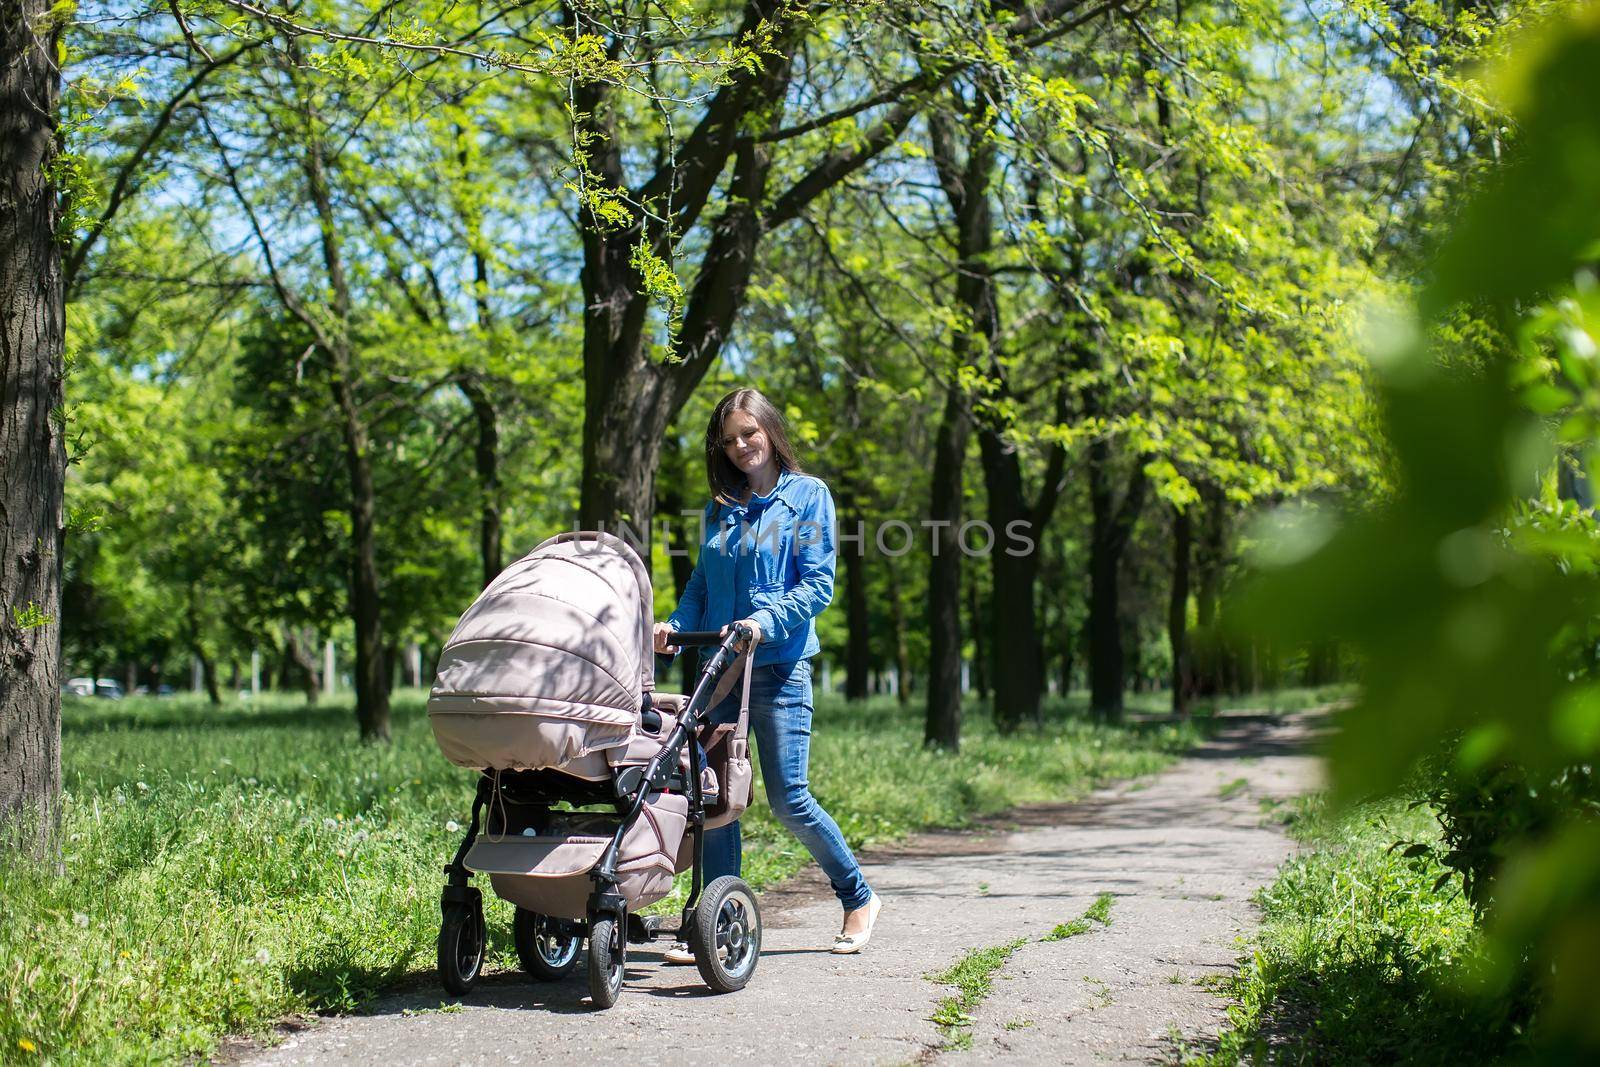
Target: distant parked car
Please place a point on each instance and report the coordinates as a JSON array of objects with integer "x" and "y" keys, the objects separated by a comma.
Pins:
[
  {"x": 108, "y": 688},
  {"x": 78, "y": 687}
]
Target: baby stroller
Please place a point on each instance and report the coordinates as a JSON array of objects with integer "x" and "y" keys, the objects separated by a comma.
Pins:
[{"x": 547, "y": 688}]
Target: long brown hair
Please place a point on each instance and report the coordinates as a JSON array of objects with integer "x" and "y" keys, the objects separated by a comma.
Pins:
[{"x": 728, "y": 482}]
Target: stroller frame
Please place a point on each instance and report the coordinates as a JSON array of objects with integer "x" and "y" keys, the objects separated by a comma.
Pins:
[{"x": 716, "y": 918}]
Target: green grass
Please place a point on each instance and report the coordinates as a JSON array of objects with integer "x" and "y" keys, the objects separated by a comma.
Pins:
[
  {"x": 973, "y": 978},
  {"x": 1098, "y": 912},
  {"x": 223, "y": 868},
  {"x": 1358, "y": 960},
  {"x": 1233, "y": 788}
]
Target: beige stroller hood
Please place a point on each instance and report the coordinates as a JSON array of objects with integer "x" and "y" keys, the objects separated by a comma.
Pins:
[{"x": 551, "y": 662}]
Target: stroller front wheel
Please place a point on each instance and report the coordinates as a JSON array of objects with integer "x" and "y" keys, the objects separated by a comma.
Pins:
[
  {"x": 606, "y": 956},
  {"x": 546, "y": 952},
  {"x": 461, "y": 948},
  {"x": 727, "y": 934}
]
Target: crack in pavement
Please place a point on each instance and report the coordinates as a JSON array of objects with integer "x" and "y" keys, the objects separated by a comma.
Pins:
[{"x": 1180, "y": 858}]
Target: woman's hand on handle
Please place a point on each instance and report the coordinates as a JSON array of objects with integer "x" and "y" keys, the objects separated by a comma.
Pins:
[
  {"x": 662, "y": 629},
  {"x": 755, "y": 631}
]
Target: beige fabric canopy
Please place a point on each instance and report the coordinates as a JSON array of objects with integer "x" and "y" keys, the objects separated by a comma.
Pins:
[{"x": 551, "y": 662}]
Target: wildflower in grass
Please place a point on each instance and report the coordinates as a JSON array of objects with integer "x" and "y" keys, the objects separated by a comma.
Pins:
[
  {"x": 452, "y": 826},
  {"x": 142, "y": 787},
  {"x": 329, "y": 823},
  {"x": 27, "y": 1046},
  {"x": 361, "y": 835},
  {"x": 263, "y": 957},
  {"x": 80, "y": 920}
]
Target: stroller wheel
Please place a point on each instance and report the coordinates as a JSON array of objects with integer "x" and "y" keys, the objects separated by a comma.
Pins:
[
  {"x": 606, "y": 955},
  {"x": 461, "y": 948},
  {"x": 546, "y": 952},
  {"x": 726, "y": 938}
]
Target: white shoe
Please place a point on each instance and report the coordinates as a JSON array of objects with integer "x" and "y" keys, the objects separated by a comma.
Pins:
[
  {"x": 679, "y": 953},
  {"x": 849, "y": 944}
]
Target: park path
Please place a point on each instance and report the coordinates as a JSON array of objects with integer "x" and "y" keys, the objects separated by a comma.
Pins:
[{"x": 1180, "y": 852}]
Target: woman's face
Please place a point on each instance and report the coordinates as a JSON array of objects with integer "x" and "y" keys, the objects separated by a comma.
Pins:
[{"x": 744, "y": 442}]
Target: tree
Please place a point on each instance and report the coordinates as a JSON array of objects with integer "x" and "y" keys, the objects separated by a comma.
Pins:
[{"x": 32, "y": 447}]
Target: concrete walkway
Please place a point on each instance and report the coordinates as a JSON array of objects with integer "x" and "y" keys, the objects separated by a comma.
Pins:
[{"x": 1180, "y": 853}]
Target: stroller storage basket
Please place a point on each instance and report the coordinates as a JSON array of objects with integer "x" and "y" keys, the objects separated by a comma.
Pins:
[{"x": 551, "y": 873}]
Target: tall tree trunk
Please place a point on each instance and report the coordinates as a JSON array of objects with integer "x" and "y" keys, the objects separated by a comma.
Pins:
[
  {"x": 208, "y": 671},
  {"x": 670, "y": 507},
  {"x": 1210, "y": 660},
  {"x": 897, "y": 621},
  {"x": 1065, "y": 683},
  {"x": 980, "y": 647},
  {"x": 208, "y": 675},
  {"x": 372, "y": 688},
  {"x": 486, "y": 449},
  {"x": 1112, "y": 525},
  {"x": 303, "y": 650},
  {"x": 32, "y": 453},
  {"x": 858, "y": 623},
  {"x": 1132, "y": 654},
  {"x": 942, "y": 726},
  {"x": 1178, "y": 613},
  {"x": 486, "y": 459}
]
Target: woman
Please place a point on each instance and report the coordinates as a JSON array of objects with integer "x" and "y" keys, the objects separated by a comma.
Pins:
[{"x": 767, "y": 560}]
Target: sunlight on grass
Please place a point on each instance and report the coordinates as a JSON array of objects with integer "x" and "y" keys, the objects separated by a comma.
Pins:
[
  {"x": 226, "y": 867},
  {"x": 1359, "y": 960}
]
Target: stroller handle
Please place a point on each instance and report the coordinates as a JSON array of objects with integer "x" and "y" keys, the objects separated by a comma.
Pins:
[
  {"x": 695, "y": 637},
  {"x": 707, "y": 637}
]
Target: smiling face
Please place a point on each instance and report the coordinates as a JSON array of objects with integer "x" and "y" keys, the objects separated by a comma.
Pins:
[{"x": 745, "y": 443}]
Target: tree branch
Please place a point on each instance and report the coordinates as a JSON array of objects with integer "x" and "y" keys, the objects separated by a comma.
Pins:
[{"x": 120, "y": 189}]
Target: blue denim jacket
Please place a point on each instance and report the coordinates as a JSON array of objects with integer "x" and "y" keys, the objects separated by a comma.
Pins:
[{"x": 770, "y": 560}]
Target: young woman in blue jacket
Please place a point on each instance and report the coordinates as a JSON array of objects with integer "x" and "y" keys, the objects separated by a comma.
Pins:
[{"x": 767, "y": 559}]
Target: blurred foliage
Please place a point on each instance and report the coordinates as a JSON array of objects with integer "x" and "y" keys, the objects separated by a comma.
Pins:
[{"x": 1472, "y": 592}]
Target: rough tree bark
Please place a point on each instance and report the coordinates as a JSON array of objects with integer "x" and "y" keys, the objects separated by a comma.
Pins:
[
  {"x": 486, "y": 448},
  {"x": 1110, "y": 531},
  {"x": 303, "y": 651},
  {"x": 486, "y": 458},
  {"x": 942, "y": 727},
  {"x": 980, "y": 647},
  {"x": 897, "y": 622},
  {"x": 858, "y": 623},
  {"x": 678, "y": 545},
  {"x": 1210, "y": 658},
  {"x": 1178, "y": 613},
  {"x": 366, "y": 598},
  {"x": 208, "y": 669},
  {"x": 32, "y": 452}
]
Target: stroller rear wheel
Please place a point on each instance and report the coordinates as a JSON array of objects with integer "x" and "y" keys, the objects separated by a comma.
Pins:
[
  {"x": 607, "y": 950},
  {"x": 461, "y": 947},
  {"x": 726, "y": 938},
  {"x": 547, "y": 953}
]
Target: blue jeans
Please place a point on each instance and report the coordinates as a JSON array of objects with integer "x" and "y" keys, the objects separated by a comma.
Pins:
[{"x": 780, "y": 719}]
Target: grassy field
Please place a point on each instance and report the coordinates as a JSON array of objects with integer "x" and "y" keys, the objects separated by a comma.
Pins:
[
  {"x": 226, "y": 867},
  {"x": 1358, "y": 960}
]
